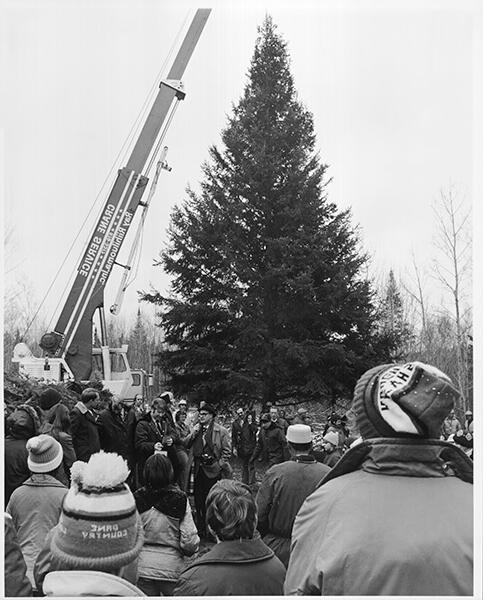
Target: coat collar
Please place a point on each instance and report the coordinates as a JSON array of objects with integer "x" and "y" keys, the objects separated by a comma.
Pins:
[
  {"x": 237, "y": 551},
  {"x": 406, "y": 457},
  {"x": 304, "y": 458},
  {"x": 43, "y": 480}
]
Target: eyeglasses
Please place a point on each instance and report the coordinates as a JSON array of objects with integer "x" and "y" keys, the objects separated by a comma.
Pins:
[{"x": 203, "y": 413}]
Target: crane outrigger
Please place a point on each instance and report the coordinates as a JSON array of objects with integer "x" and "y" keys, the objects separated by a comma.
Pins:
[{"x": 68, "y": 349}]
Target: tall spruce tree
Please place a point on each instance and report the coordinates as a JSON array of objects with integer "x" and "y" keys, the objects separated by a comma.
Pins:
[{"x": 268, "y": 300}]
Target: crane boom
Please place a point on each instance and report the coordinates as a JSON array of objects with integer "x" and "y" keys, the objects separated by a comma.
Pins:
[{"x": 71, "y": 339}]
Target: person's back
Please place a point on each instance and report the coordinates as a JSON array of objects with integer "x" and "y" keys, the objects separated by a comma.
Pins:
[
  {"x": 395, "y": 536},
  {"x": 284, "y": 489},
  {"x": 170, "y": 534},
  {"x": 395, "y": 515},
  {"x": 239, "y": 564},
  {"x": 36, "y": 505},
  {"x": 93, "y": 549}
]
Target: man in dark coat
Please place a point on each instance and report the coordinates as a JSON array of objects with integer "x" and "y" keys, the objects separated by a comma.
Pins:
[
  {"x": 83, "y": 428},
  {"x": 240, "y": 564},
  {"x": 271, "y": 441},
  {"x": 244, "y": 439},
  {"x": 23, "y": 424},
  {"x": 155, "y": 431},
  {"x": 284, "y": 489},
  {"x": 116, "y": 429}
]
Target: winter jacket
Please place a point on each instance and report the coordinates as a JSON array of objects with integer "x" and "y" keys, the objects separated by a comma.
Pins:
[
  {"x": 23, "y": 424},
  {"x": 147, "y": 434},
  {"x": 332, "y": 458},
  {"x": 169, "y": 533},
  {"x": 15, "y": 571},
  {"x": 220, "y": 447},
  {"x": 272, "y": 442},
  {"x": 69, "y": 457},
  {"x": 281, "y": 494},
  {"x": 85, "y": 434},
  {"x": 116, "y": 434},
  {"x": 378, "y": 524},
  {"x": 35, "y": 508},
  {"x": 234, "y": 568},
  {"x": 88, "y": 583}
]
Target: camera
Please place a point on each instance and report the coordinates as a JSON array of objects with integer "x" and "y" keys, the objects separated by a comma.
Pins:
[{"x": 207, "y": 459}]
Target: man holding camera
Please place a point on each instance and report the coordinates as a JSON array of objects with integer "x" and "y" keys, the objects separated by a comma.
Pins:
[{"x": 211, "y": 451}]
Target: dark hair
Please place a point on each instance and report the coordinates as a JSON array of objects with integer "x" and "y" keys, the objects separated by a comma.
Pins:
[
  {"x": 89, "y": 394},
  {"x": 159, "y": 403},
  {"x": 158, "y": 472},
  {"x": 231, "y": 511},
  {"x": 178, "y": 415},
  {"x": 301, "y": 447},
  {"x": 60, "y": 418}
]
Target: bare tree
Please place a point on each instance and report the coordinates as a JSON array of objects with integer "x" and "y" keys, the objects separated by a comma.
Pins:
[{"x": 452, "y": 268}]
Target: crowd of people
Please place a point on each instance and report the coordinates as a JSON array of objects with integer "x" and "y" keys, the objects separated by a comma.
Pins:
[{"x": 142, "y": 498}]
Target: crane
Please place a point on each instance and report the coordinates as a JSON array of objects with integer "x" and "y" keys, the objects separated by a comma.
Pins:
[{"x": 68, "y": 349}]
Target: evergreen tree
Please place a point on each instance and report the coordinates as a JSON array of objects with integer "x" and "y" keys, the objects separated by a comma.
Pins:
[
  {"x": 268, "y": 300},
  {"x": 395, "y": 331},
  {"x": 139, "y": 344}
]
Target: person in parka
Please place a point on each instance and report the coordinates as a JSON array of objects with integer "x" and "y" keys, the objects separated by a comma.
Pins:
[
  {"x": 36, "y": 505},
  {"x": 23, "y": 423},
  {"x": 271, "y": 442},
  {"x": 240, "y": 564},
  {"x": 284, "y": 489},
  {"x": 378, "y": 523}
]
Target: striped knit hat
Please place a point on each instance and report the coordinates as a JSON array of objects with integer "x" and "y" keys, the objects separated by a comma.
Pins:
[
  {"x": 99, "y": 528},
  {"x": 403, "y": 400},
  {"x": 45, "y": 454}
]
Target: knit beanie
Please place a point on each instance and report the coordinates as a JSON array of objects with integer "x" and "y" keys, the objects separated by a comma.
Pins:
[
  {"x": 99, "y": 527},
  {"x": 332, "y": 438},
  {"x": 45, "y": 454},
  {"x": 403, "y": 401},
  {"x": 48, "y": 398}
]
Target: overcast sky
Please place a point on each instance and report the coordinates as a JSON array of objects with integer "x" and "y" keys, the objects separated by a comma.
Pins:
[{"x": 391, "y": 86}]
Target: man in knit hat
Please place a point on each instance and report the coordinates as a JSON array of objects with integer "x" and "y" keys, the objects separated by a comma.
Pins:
[
  {"x": 35, "y": 506},
  {"x": 332, "y": 452},
  {"x": 378, "y": 523},
  {"x": 93, "y": 549},
  {"x": 284, "y": 489}
]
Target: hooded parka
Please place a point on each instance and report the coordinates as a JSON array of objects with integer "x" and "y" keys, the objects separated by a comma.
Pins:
[{"x": 394, "y": 517}]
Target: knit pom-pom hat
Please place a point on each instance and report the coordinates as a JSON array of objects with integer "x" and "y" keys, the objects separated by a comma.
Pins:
[
  {"x": 99, "y": 528},
  {"x": 45, "y": 454},
  {"x": 403, "y": 400}
]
